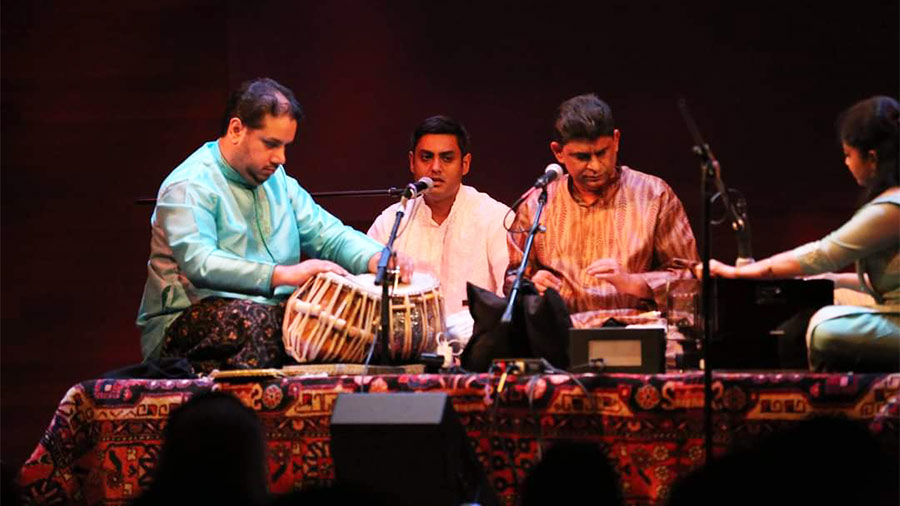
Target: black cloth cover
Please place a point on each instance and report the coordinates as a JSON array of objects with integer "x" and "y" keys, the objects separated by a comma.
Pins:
[{"x": 540, "y": 328}]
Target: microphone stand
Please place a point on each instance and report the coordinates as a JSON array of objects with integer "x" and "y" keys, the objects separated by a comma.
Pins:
[
  {"x": 736, "y": 211},
  {"x": 393, "y": 191},
  {"x": 517, "y": 284},
  {"x": 382, "y": 278},
  {"x": 706, "y": 172},
  {"x": 710, "y": 179}
]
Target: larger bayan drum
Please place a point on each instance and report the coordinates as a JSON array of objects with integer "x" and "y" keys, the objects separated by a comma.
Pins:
[{"x": 334, "y": 318}]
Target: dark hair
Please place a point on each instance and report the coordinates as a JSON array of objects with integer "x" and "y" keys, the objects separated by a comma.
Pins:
[
  {"x": 583, "y": 117},
  {"x": 217, "y": 429},
  {"x": 583, "y": 467},
  {"x": 872, "y": 125},
  {"x": 254, "y": 99},
  {"x": 838, "y": 460},
  {"x": 441, "y": 125}
]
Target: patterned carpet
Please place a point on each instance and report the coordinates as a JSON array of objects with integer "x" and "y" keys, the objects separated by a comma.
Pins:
[{"x": 104, "y": 439}]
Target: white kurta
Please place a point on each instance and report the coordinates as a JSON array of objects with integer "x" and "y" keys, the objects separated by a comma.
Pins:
[{"x": 469, "y": 246}]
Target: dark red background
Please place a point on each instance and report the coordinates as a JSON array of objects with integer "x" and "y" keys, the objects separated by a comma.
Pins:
[{"x": 101, "y": 99}]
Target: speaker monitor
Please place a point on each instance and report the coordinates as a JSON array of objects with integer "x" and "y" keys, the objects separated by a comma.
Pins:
[
  {"x": 406, "y": 448},
  {"x": 629, "y": 350}
]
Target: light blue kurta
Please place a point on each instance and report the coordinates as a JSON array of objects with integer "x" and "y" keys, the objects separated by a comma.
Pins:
[
  {"x": 213, "y": 234},
  {"x": 870, "y": 240},
  {"x": 859, "y": 338}
]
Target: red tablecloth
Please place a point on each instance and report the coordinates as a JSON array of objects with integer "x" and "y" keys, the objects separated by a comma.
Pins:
[{"x": 104, "y": 439}]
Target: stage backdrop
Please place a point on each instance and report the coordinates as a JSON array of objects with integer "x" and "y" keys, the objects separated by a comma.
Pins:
[{"x": 100, "y": 100}]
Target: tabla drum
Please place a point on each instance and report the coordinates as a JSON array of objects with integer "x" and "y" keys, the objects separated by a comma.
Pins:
[{"x": 334, "y": 318}]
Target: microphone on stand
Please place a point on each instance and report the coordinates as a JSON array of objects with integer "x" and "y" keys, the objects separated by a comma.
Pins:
[
  {"x": 552, "y": 172},
  {"x": 381, "y": 273},
  {"x": 420, "y": 186},
  {"x": 415, "y": 189}
]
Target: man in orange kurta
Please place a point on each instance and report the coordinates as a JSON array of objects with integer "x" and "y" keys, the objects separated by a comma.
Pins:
[{"x": 615, "y": 237}]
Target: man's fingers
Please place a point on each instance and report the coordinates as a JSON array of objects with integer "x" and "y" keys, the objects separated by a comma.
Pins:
[
  {"x": 603, "y": 266},
  {"x": 406, "y": 272},
  {"x": 318, "y": 266},
  {"x": 543, "y": 280},
  {"x": 406, "y": 265},
  {"x": 603, "y": 269}
]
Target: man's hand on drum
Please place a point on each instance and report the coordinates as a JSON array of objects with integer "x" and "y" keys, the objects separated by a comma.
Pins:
[
  {"x": 401, "y": 261},
  {"x": 297, "y": 274},
  {"x": 544, "y": 279}
]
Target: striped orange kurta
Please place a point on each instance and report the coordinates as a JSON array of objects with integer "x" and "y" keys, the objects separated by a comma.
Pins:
[{"x": 638, "y": 221}]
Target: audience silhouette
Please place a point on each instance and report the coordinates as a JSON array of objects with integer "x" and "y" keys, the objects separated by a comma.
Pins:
[
  {"x": 823, "y": 461},
  {"x": 213, "y": 453},
  {"x": 572, "y": 473}
]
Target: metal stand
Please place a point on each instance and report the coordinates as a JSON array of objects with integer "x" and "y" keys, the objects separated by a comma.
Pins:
[
  {"x": 706, "y": 305},
  {"x": 383, "y": 278},
  {"x": 711, "y": 188},
  {"x": 393, "y": 191},
  {"x": 535, "y": 228}
]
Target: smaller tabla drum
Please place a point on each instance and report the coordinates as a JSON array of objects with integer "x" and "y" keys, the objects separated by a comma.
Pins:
[{"x": 334, "y": 318}]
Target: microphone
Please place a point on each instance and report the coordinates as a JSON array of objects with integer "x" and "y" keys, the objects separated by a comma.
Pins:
[
  {"x": 421, "y": 186},
  {"x": 552, "y": 172},
  {"x": 415, "y": 189}
]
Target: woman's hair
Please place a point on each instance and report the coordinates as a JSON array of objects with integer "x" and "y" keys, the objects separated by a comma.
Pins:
[{"x": 872, "y": 125}]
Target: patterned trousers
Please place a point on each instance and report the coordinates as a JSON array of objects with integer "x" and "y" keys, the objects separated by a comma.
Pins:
[{"x": 219, "y": 333}]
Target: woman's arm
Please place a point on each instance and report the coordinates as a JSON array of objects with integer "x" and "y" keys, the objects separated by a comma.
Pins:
[
  {"x": 782, "y": 265},
  {"x": 870, "y": 230},
  {"x": 841, "y": 279}
]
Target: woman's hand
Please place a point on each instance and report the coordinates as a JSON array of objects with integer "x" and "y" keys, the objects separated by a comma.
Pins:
[
  {"x": 722, "y": 270},
  {"x": 717, "y": 269}
]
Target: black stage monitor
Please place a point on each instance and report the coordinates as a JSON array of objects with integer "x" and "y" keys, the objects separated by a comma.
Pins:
[
  {"x": 406, "y": 449},
  {"x": 618, "y": 349}
]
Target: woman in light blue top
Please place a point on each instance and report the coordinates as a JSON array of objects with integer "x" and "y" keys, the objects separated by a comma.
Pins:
[{"x": 865, "y": 336}]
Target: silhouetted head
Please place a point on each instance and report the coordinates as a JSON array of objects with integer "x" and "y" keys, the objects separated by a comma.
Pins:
[
  {"x": 213, "y": 453},
  {"x": 821, "y": 461},
  {"x": 572, "y": 473}
]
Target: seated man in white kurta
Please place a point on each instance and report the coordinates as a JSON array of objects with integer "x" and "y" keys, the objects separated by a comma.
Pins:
[{"x": 454, "y": 231}]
